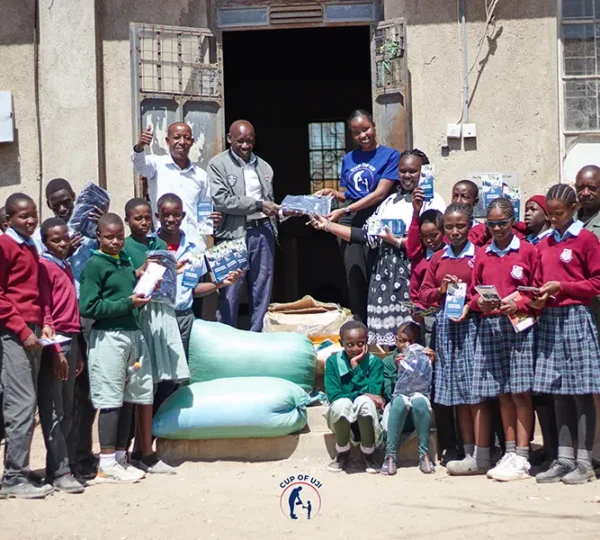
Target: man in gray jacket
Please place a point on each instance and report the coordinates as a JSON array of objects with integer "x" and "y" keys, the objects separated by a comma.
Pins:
[{"x": 241, "y": 186}]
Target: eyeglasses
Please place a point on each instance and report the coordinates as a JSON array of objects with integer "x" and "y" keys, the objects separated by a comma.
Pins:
[{"x": 502, "y": 223}]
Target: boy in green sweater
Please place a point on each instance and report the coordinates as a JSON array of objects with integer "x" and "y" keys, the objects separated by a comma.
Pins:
[
  {"x": 405, "y": 411},
  {"x": 119, "y": 363},
  {"x": 353, "y": 381}
]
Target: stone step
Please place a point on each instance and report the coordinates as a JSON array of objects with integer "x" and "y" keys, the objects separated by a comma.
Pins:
[
  {"x": 307, "y": 444},
  {"x": 316, "y": 420}
]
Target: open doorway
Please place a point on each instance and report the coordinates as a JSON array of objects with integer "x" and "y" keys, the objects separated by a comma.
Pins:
[{"x": 287, "y": 82}]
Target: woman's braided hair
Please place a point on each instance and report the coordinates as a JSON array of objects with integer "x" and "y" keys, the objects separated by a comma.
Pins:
[
  {"x": 504, "y": 204},
  {"x": 417, "y": 153},
  {"x": 562, "y": 192}
]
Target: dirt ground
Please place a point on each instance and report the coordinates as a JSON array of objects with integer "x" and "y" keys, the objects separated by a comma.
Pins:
[{"x": 242, "y": 500}]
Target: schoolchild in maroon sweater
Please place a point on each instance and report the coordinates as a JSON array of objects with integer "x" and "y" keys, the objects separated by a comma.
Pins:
[
  {"x": 455, "y": 339},
  {"x": 61, "y": 364},
  {"x": 504, "y": 358},
  {"x": 568, "y": 365},
  {"x": 20, "y": 329}
]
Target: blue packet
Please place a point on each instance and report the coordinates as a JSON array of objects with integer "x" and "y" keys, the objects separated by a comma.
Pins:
[
  {"x": 227, "y": 257},
  {"x": 205, "y": 223},
  {"x": 396, "y": 226},
  {"x": 167, "y": 292},
  {"x": 194, "y": 270},
  {"x": 455, "y": 300},
  {"x": 426, "y": 182},
  {"x": 90, "y": 196},
  {"x": 414, "y": 372}
]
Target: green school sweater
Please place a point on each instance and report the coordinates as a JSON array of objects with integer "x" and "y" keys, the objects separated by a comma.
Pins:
[
  {"x": 341, "y": 381},
  {"x": 390, "y": 376},
  {"x": 106, "y": 285},
  {"x": 137, "y": 251}
]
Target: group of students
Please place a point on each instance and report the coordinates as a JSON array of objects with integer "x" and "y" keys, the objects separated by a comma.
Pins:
[
  {"x": 124, "y": 353},
  {"x": 480, "y": 362}
]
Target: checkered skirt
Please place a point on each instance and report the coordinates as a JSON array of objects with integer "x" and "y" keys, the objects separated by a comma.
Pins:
[
  {"x": 567, "y": 352},
  {"x": 504, "y": 359},
  {"x": 453, "y": 368}
]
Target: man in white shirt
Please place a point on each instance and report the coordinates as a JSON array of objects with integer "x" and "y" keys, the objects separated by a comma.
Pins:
[{"x": 174, "y": 173}]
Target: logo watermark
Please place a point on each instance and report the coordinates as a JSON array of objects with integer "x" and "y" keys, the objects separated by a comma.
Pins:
[{"x": 300, "y": 498}]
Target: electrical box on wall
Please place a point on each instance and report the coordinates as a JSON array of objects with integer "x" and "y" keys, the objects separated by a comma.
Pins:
[
  {"x": 469, "y": 131},
  {"x": 7, "y": 121}
]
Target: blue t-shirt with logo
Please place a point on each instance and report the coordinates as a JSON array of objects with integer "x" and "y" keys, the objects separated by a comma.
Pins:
[{"x": 361, "y": 171}]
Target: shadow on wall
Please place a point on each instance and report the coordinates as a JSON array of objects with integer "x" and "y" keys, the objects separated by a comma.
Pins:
[{"x": 10, "y": 163}]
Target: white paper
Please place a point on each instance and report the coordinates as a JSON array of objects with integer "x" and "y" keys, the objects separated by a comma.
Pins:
[
  {"x": 149, "y": 279},
  {"x": 56, "y": 340}
]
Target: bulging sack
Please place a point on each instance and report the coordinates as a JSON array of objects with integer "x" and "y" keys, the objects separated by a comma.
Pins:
[
  {"x": 219, "y": 351},
  {"x": 236, "y": 408}
]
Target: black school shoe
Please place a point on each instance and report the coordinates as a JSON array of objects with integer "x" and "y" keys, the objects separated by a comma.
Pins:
[
  {"x": 555, "y": 473},
  {"x": 340, "y": 463},
  {"x": 371, "y": 464}
]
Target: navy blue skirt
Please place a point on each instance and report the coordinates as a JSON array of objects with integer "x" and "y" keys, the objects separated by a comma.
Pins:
[
  {"x": 567, "y": 352},
  {"x": 453, "y": 368},
  {"x": 504, "y": 359}
]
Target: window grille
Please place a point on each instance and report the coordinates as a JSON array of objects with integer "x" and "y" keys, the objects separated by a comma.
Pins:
[
  {"x": 581, "y": 64},
  {"x": 327, "y": 147}
]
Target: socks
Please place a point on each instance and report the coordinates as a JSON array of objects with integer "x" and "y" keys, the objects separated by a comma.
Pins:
[
  {"x": 469, "y": 449},
  {"x": 107, "y": 461},
  {"x": 511, "y": 447},
  {"x": 120, "y": 454},
  {"x": 566, "y": 455},
  {"x": 523, "y": 451},
  {"x": 482, "y": 454},
  {"x": 339, "y": 449},
  {"x": 367, "y": 449},
  {"x": 584, "y": 458}
]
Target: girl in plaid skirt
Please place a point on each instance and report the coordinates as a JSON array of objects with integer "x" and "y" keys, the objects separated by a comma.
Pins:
[
  {"x": 568, "y": 366},
  {"x": 504, "y": 357},
  {"x": 455, "y": 339}
]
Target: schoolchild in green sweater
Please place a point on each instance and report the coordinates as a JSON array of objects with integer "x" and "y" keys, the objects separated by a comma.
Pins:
[
  {"x": 118, "y": 358},
  {"x": 353, "y": 382},
  {"x": 405, "y": 411}
]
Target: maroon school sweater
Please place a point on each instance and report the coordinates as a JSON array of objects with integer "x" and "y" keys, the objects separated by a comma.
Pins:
[
  {"x": 515, "y": 269},
  {"x": 439, "y": 266},
  {"x": 575, "y": 263},
  {"x": 19, "y": 294},
  {"x": 59, "y": 299}
]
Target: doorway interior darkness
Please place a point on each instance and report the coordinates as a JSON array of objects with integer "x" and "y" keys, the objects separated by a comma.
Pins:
[{"x": 281, "y": 81}]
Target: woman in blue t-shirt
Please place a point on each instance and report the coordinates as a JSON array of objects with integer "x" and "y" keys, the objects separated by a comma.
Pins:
[{"x": 368, "y": 175}]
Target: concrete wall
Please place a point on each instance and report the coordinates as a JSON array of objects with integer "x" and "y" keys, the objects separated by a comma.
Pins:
[
  {"x": 19, "y": 160},
  {"x": 86, "y": 97},
  {"x": 513, "y": 88}
]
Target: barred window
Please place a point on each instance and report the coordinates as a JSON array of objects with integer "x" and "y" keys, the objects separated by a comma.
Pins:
[
  {"x": 581, "y": 64},
  {"x": 327, "y": 146}
]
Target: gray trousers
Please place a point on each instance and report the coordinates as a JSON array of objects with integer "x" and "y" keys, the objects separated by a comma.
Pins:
[
  {"x": 185, "y": 321},
  {"x": 18, "y": 375},
  {"x": 56, "y": 400},
  {"x": 260, "y": 242}
]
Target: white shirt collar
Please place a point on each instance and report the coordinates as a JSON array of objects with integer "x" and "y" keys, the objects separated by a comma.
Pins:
[
  {"x": 514, "y": 245},
  {"x": 467, "y": 251},
  {"x": 170, "y": 162},
  {"x": 19, "y": 239},
  {"x": 252, "y": 161}
]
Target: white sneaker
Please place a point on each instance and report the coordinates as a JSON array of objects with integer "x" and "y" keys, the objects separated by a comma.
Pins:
[
  {"x": 133, "y": 471},
  {"x": 504, "y": 462},
  {"x": 517, "y": 469},
  {"x": 115, "y": 475},
  {"x": 160, "y": 467}
]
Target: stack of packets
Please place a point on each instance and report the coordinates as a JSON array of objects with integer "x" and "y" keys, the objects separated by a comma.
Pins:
[
  {"x": 493, "y": 187},
  {"x": 308, "y": 205},
  {"x": 227, "y": 257},
  {"x": 455, "y": 300},
  {"x": 426, "y": 182},
  {"x": 167, "y": 293},
  {"x": 205, "y": 223},
  {"x": 414, "y": 372},
  {"x": 520, "y": 321},
  {"x": 377, "y": 226},
  {"x": 90, "y": 197}
]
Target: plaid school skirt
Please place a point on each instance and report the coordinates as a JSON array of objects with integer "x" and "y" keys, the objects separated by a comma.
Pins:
[
  {"x": 453, "y": 368},
  {"x": 504, "y": 359},
  {"x": 567, "y": 352}
]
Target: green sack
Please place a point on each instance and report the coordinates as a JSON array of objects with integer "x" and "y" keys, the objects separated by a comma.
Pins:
[
  {"x": 218, "y": 351},
  {"x": 235, "y": 408}
]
